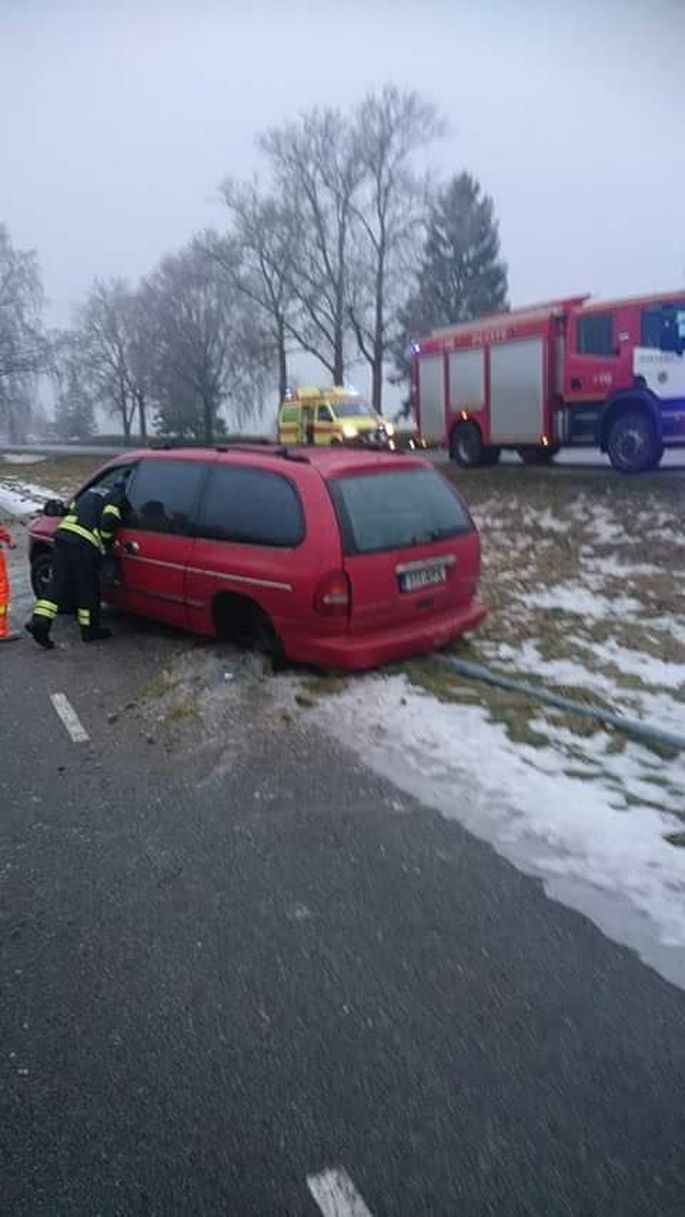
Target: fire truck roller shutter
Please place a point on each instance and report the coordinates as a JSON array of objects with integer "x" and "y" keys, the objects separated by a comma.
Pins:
[
  {"x": 432, "y": 396},
  {"x": 517, "y": 386},
  {"x": 467, "y": 380}
]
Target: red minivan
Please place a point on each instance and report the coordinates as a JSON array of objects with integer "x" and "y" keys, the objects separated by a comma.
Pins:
[{"x": 338, "y": 557}]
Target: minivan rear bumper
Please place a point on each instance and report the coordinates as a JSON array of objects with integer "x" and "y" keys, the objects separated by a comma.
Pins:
[{"x": 356, "y": 653}]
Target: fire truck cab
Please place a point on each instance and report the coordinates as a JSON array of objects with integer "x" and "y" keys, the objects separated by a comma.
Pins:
[{"x": 571, "y": 372}]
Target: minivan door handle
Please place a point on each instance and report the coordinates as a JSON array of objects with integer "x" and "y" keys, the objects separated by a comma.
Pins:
[{"x": 130, "y": 547}]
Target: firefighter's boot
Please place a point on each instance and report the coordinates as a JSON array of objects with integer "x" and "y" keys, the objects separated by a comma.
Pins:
[{"x": 40, "y": 633}]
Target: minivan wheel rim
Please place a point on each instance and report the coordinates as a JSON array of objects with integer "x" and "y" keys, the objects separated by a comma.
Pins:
[{"x": 44, "y": 578}]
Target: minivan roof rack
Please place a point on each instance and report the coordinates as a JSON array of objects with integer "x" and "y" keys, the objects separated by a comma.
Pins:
[{"x": 286, "y": 454}]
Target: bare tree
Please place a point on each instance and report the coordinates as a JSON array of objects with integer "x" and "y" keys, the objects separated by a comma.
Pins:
[
  {"x": 317, "y": 173},
  {"x": 260, "y": 256},
  {"x": 103, "y": 321},
  {"x": 208, "y": 350},
  {"x": 139, "y": 352},
  {"x": 389, "y": 213},
  {"x": 23, "y": 347}
]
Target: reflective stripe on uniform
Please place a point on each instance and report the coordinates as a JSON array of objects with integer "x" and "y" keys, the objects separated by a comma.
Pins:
[
  {"x": 83, "y": 616},
  {"x": 46, "y": 608},
  {"x": 111, "y": 516},
  {"x": 70, "y": 524}
]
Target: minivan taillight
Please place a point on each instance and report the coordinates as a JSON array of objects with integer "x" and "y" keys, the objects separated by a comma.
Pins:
[{"x": 333, "y": 596}]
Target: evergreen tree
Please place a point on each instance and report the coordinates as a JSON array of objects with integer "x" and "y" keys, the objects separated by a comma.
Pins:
[
  {"x": 74, "y": 412},
  {"x": 462, "y": 275}
]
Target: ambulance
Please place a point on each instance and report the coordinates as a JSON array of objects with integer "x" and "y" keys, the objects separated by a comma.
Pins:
[{"x": 336, "y": 415}]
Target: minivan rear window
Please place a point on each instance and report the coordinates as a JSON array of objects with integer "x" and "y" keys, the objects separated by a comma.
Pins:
[{"x": 397, "y": 509}]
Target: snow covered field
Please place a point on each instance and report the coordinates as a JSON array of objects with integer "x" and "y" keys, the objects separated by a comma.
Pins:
[
  {"x": 585, "y": 578},
  {"x": 27, "y": 479}
]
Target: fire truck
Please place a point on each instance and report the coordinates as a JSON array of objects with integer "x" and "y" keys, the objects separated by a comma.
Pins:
[{"x": 567, "y": 373}]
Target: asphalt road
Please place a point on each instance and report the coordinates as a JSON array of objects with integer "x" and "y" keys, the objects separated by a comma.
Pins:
[{"x": 233, "y": 960}]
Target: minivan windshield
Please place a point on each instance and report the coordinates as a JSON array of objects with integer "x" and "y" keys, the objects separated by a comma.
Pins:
[{"x": 397, "y": 509}]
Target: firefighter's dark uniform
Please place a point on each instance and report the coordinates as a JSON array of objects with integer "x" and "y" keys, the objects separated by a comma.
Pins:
[{"x": 80, "y": 542}]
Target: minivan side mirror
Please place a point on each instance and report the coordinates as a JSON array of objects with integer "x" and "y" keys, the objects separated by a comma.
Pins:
[{"x": 54, "y": 507}]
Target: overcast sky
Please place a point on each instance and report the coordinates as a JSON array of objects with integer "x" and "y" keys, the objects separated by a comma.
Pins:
[{"x": 120, "y": 118}]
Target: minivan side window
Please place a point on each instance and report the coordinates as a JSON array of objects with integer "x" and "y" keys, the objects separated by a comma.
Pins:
[
  {"x": 251, "y": 507},
  {"x": 163, "y": 495},
  {"x": 325, "y": 414},
  {"x": 103, "y": 483},
  {"x": 596, "y": 334}
]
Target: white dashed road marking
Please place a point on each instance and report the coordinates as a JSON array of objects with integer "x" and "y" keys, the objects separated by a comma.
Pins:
[
  {"x": 336, "y": 1194},
  {"x": 69, "y": 717}
]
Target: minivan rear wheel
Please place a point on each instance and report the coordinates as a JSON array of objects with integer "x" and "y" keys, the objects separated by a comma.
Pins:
[{"x": 244, "y": 623}]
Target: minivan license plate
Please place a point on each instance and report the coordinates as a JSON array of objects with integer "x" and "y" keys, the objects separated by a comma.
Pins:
[{"x": 427, "y": 576}]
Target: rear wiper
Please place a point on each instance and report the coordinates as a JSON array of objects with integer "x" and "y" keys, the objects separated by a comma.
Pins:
[{"x": 439, "y": 534}]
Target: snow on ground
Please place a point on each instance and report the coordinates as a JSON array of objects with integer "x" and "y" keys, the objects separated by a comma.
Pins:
[
  {"x": 566, "y": 820},
  {"x": 586, "y": 596},
  {"x": 22, "y": 498},
  {"x": 574, "y": 598},
  {"x": 586, "y": 591},
  {"x": 21, "y": 458},
  {"x": 647, "y": 669}
]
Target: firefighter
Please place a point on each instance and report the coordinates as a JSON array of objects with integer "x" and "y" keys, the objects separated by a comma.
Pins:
[
  {"x": 84, "y": 536},
  {"x": 6, "y": 635}
]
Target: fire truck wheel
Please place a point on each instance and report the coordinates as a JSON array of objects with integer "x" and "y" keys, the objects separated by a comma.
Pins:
[
  {"x": 466, "y": 446},
  {"x": 632, "y": 442}
]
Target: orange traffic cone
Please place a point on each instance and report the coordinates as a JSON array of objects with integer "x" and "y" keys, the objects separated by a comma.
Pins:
[{"x": 6, "y": 635}]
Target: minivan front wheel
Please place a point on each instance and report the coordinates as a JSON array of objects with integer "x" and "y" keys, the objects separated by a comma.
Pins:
[
  {"x": 41, "y": 575},
  {"x": 41, "y": 579}
]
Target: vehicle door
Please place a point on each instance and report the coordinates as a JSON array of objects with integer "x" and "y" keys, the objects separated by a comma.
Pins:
[
  {"x": 660, "y": 361},
  {"x": 103, "y": 483},
  {"x": 325, "y": 427},
  {"x": 289, "y": 425},
  {"x": 592, "y": 363},
  {"x": 307, "y": 426},
  {"x": 250, "y": 526},
  {"x": 154, "y": 545}
]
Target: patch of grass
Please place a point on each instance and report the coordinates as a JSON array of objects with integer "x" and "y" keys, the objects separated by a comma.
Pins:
[
  {"x": 181, "y": 712},
  {"x": 305, "y": 700},
  {"x": 157, "y": 688},
  {"x": 62, "y": 474},
  {"x": 328, "y": 684},
  {"x": 513, "y": 710}
]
